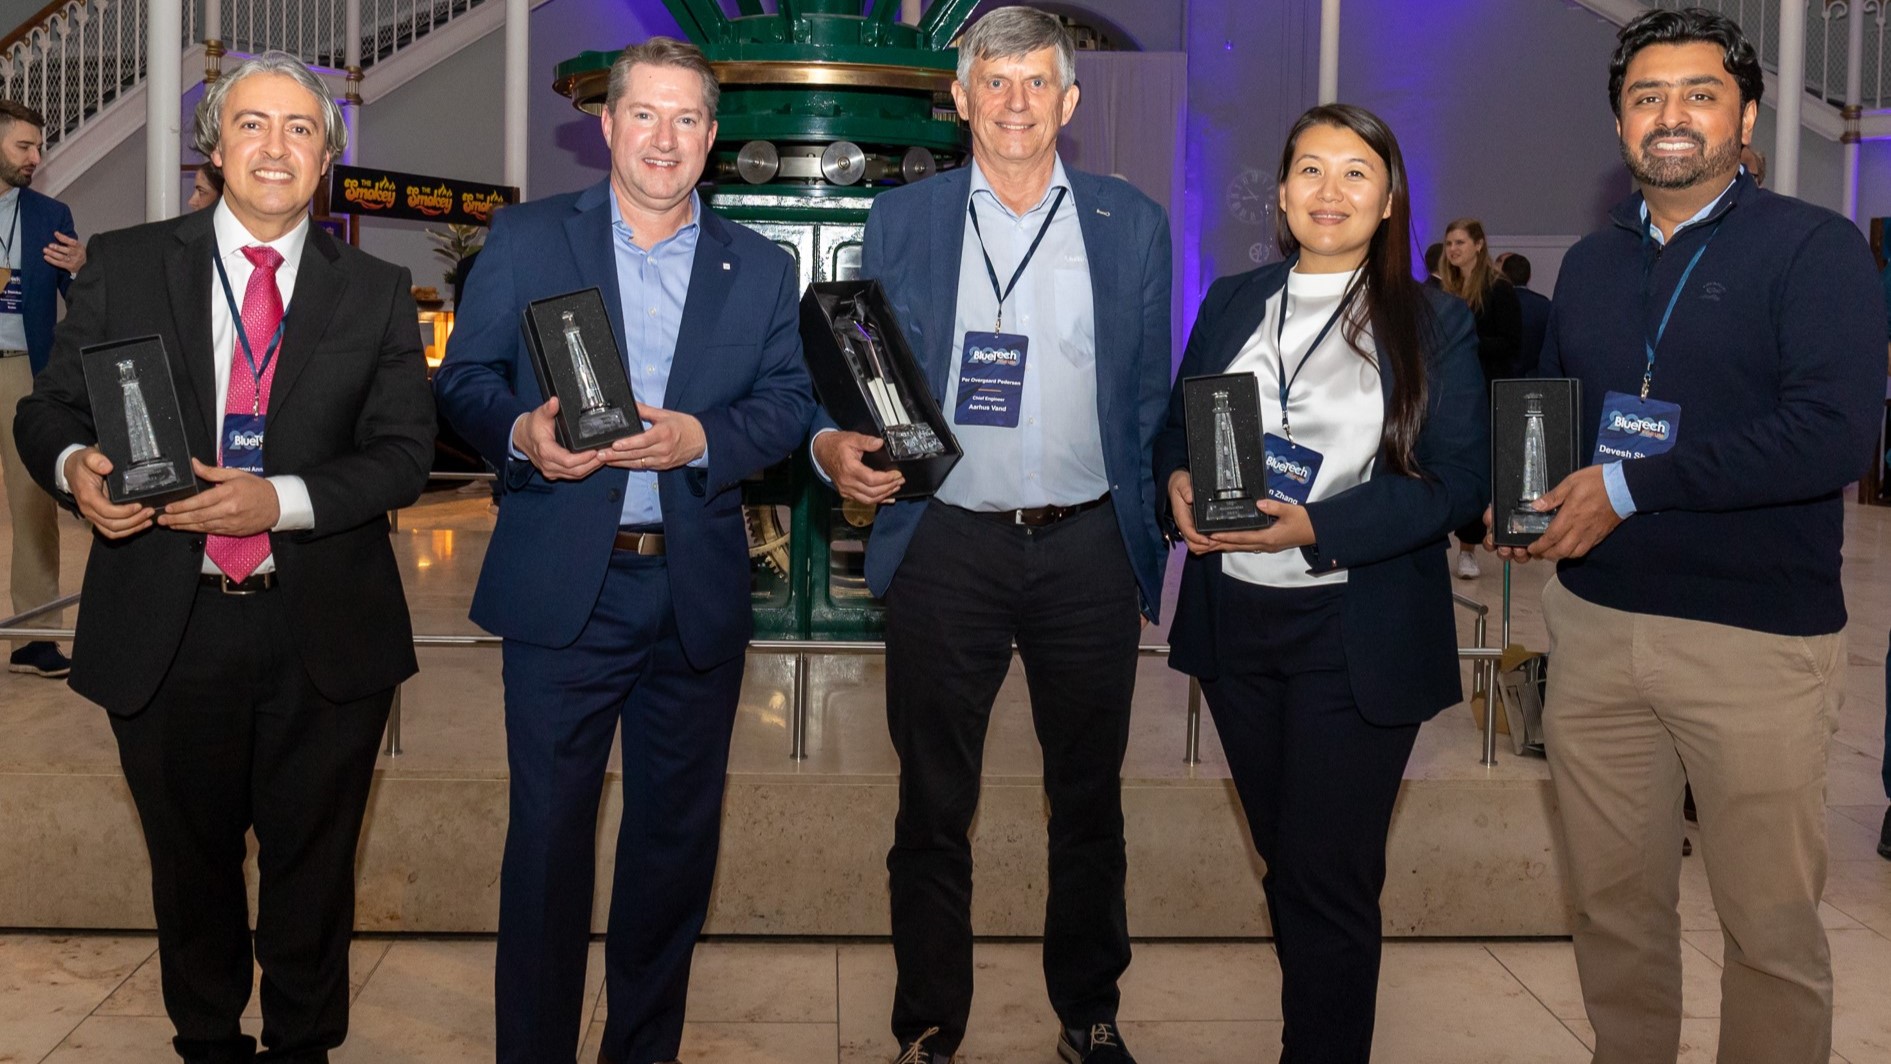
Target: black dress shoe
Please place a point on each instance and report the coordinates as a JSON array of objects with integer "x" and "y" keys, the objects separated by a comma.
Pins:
[
  {"x": 1102, "y": 1043},
  {"x": 915, "y": 1051},
  {"x": 1884, "y": 837}
]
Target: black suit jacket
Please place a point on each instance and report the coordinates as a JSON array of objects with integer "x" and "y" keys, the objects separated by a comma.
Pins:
[
  {"x": 1387, "y": 533},
  {"x": 349, "y": 413}
]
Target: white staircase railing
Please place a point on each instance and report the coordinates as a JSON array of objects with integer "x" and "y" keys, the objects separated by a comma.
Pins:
[
  {"x": 77, "y": 58},
  {"x": 1827, "y": 28}
]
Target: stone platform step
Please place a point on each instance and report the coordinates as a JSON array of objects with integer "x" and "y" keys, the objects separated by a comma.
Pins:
[{"x": 804, "y": 843}]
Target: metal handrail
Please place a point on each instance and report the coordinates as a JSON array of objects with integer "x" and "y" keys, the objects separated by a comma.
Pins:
[{"x": 1485, "y": 659}]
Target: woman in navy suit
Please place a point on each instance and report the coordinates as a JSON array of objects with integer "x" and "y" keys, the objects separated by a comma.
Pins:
[{"x": 1324, "y": 640}]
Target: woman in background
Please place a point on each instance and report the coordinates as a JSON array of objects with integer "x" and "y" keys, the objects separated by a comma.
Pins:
[
  {"x": 206, "y": 188},
  {"x": 1324, "y": 640},
  {"x": 1469, "y": 274}
]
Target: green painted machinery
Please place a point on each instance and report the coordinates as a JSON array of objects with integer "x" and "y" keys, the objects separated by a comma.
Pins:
[{"x": 825, "y": 103}]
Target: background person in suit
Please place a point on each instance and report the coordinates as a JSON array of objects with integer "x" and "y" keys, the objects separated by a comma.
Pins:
[
  {"x": 40, "y": 253},
  {"x": 1324, "y": 640},
  {"x": 1044, "y": 532},
  {"x": 248, "y": 646},
  {"x": 1534, "y": 306},
  {"x": 594, "y": 551}
]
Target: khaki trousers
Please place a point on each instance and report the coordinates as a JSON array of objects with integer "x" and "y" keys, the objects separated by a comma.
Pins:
[
  {"x": 1638, "y": 705},
  {"x": 35, "y": 573}
]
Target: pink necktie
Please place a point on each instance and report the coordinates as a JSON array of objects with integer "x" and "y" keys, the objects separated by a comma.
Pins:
[{"x": 238, "y": 556}]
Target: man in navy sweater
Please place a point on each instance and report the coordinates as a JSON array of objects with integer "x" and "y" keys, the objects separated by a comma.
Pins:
[{"x": 1730, "y": 344}]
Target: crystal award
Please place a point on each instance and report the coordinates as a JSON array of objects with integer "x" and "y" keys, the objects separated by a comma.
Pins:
[
  {"x": 148, "y": 469},
  {"x": 1231, "y": 499},
  {"x": 595, "y": 414},
  {"x": 1524, "y": 519},
  {"x": 863, "y": 346}
]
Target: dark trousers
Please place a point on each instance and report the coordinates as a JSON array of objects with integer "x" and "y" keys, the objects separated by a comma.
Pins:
[
  {"x": 1318, "y": 782},
  {"x": 238, "y": 738},
  {"x": 967, "y": 587},
  {"x": 562, "y": 708},
  {"x": 1886, "y": 770}
]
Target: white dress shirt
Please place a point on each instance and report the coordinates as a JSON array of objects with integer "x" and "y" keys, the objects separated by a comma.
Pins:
[
  {"x": 1337, "y": 408},
  {"x": 296, "y": 512}
]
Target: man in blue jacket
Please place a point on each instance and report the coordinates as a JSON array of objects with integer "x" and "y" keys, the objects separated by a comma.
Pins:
[
  {"x": 40, "y": 253},
  {"x": 1730, "y": 343},
  {"x": 1044, "y": 533},
  {"x": 597, "y": 553}
]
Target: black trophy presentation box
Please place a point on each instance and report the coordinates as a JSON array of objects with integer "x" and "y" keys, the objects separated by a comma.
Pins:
[
  {"x": 139, "y": 424},
  {"x": 575, "y": 357},
  {"x": 1535, "y": 441},
  {"x": 867, "y": 377},
  {"x": 1227, "y": 456}
]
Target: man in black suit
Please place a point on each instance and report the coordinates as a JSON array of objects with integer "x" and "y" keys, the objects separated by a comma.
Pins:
[
  {"x": 1536, "y": 310},
  {"x": 247, "y": 640}
]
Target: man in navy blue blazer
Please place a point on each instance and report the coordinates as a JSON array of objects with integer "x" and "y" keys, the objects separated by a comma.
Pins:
[
  {"x": 1044, "y": 533},
  {"x": 594, "y": 550},
  {"x": 39, "y": 251}
]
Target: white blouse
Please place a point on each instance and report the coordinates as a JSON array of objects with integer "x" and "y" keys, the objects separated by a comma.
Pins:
[{"x": 1337, "y": 407}]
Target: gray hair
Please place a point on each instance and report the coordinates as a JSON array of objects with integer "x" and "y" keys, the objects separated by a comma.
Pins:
[
  {"x": 1014, "y": 31},
  {"x": 663, "y": 52},
  {"x": 208, "y": 135}
]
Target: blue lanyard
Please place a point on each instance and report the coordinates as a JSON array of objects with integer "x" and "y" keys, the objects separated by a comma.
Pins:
[
  {"x": 1280, "y": 329},
  {"x": 242, "y": 336},
  {"x": 992, "y": 271},
  {"x": 1650, "y": 343}
]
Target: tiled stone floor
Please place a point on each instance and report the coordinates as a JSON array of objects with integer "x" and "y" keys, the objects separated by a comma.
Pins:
[{"x": 92, "y": 998}]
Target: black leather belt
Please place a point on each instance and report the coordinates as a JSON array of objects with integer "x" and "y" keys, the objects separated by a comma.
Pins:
[
  {"x": 1039, "y": 516},
  {"x": 649, "y": 544},
  {"x": 257, "y": 582}
]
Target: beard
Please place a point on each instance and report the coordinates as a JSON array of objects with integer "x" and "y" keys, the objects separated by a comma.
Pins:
[
  {"x": 1684, "y": 172},
  {"x": 15, "y": 176}
]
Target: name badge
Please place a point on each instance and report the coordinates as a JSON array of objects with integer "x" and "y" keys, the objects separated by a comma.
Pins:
[
  {"x": 1633, "y": 427},
  {"x": 12, "y": 297},
  {"x": 243, "y": 442},
  {"x": 991, "y": 379},
  {"x": 1291, "y": 470}
]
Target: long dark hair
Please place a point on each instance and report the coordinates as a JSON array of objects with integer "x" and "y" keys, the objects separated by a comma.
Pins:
[{"x": 1387, "y": 298}]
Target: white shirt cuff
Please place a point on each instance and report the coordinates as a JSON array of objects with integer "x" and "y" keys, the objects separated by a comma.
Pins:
[
  {"x": 295, "y": 512},
  {"x": 816, "y": 462},
  {"x": 59, "y": 468}
]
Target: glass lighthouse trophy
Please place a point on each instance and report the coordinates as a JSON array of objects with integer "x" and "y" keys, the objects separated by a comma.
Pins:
[
  {"x": 1221, "y": 415},
  {"x": 1524, "y": 519},
  {"x": 864, "y": 348},
  {"x": 596, "y": 417},
  {"x": 576, "y": 361},
  {"x": 149, "y": 470},
  {"x": 1231, "y": 500}
]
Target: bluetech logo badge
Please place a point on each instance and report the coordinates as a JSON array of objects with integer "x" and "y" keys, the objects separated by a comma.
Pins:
[
  {"x": 994, "y": 356},
  {"x": 1298, "y": 472},
  {"x": 1648, "y": 428},
  {"x": 245, "y": 441}
]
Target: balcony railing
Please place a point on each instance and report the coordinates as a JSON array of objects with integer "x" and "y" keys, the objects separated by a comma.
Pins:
[
  {"x": 1828, "y": 26},
  {"x": 76, "y": 57}
]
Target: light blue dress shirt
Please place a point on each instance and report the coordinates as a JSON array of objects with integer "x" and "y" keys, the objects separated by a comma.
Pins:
[
  {"x": 1613, "y": 479},
  {"x": 652, "y": 287},
  {"x": 12, "y": 326},
  {"x": 1055, "y": 454}
]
